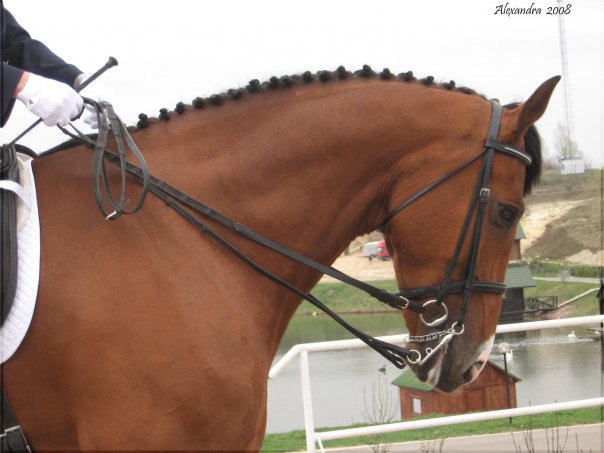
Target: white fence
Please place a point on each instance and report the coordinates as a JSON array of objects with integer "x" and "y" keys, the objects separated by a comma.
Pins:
[{"x": 313, "y": 438}]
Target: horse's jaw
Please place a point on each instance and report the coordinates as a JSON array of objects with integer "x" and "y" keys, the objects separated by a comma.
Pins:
[{"x": 449, "y": 369}]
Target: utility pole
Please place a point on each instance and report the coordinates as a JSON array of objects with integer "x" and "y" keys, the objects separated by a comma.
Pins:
[{"x": 568, "y": 116}]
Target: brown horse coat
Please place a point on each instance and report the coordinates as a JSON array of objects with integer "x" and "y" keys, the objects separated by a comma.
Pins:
[{"x": 148, "y": 335}]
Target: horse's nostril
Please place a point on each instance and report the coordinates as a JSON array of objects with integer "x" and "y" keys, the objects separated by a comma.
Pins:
[
  {"x": 467, "y": 376},
  {"x": 473, "y": 372}
]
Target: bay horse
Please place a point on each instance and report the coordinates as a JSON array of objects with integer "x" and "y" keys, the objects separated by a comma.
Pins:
[{"x": 150, "y": 336}]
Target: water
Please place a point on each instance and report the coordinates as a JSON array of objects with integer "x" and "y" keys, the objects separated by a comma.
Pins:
[{"x": 551, "y": 368}]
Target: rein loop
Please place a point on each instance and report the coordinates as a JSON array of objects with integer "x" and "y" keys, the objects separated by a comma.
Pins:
[{"x": 110, "y": 124}]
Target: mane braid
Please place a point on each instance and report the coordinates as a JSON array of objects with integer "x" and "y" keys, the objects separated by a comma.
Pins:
[
  {"x": 284, "y": 82},
  {"x": 532, "y": 141}
]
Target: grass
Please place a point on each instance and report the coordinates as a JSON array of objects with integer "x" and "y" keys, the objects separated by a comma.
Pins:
[
  {"x": 296, "y": 440},
  {"x": 546, "y": 268},
  {"x": 557, "y": 187},
  {"x": 345, "y": 299},
  {"x": 564, "y": 291}
]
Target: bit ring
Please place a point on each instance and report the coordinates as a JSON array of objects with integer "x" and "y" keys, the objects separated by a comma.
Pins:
[{"x": 438, "y": 321}]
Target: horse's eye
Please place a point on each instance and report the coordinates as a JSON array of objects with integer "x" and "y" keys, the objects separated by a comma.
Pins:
[{"x": 508, "y": 214}]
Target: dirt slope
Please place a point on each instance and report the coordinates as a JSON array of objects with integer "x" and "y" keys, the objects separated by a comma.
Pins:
[{"x": 562, "y": 222}]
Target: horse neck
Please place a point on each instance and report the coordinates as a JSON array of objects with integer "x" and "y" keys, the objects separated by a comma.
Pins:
[{"x": 309, "y": 168}]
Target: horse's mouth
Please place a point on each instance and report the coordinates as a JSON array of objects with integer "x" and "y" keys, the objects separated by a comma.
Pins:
[
  {"x": 437, "y": 371},
  {"x": 430, "y": 371}
]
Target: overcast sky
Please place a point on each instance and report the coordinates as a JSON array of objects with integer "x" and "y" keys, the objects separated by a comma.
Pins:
[{"x": 171, "y": 51}]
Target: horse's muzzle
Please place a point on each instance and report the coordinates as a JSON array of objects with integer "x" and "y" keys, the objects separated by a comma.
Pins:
[{"x": 452, "y": 366}]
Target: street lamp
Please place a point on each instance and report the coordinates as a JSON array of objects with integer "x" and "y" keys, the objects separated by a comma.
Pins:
[{"x": 505, "y": 349}]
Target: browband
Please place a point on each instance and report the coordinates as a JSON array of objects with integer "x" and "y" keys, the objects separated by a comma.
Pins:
[
  {"x": 491, "y": 141},
  {"x": 507, "y": 149}
]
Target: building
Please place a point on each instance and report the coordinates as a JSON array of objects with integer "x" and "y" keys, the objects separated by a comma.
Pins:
[
  {"x": 487, "y": 392},
  {"x": 572, "y": 166},
  {"x": 516, "y": 253},
  {"x": 517, "y": 277}
]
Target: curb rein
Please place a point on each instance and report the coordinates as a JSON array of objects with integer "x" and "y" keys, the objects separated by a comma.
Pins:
[{"x": 402, "y": 299}]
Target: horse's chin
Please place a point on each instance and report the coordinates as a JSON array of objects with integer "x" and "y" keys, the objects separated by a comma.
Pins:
[{"x": 446, "y": 373}]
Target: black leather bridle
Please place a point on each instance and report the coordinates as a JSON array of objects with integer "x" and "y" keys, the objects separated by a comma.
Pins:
[
  {"x": 477, "y": 205},
  {"x": 186, "y": 206}
]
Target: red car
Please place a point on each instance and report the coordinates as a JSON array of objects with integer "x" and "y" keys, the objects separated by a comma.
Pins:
[{"x": 382, "y": 251}]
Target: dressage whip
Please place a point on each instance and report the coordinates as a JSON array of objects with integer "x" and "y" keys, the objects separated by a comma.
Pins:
[{"x": 111, "y": 62}]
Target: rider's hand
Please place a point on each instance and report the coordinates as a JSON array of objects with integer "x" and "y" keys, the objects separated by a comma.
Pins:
[
  {"x": 95, "y": 92},
  {"x": 55, "y": 102}
]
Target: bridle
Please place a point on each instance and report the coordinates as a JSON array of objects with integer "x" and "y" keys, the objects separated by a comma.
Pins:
[
  {"x": 478, "y": 204},
  {"x": 185, "y": 205}
]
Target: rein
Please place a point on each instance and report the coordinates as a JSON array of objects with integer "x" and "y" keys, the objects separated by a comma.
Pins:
[
  {"x": 175, "y": 199},
  {"x": 107, "y": 122},
  {"x": 399, "y": 356}
]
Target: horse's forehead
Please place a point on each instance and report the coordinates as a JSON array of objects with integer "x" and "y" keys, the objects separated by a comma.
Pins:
[{"x": 507, "y": 179}]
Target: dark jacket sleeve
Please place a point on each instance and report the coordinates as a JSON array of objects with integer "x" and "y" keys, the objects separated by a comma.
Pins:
[{"x": 22, "y": 53}]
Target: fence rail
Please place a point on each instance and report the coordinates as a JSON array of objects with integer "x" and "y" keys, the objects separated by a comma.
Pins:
[
  {"x": 542, "y": 303},
  {"x": 313, "y": 438}
]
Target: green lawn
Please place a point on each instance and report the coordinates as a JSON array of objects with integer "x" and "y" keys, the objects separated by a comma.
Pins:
[
  {"x": 585, "y": 306},
  {"x": 345, "y": 299},
  {"x": 296, "y": 440}
]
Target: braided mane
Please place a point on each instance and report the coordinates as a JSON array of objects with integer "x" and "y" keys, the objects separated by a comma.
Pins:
[
  {"x": 254, "y": 87},
  {"x": 286, "y": 81}
]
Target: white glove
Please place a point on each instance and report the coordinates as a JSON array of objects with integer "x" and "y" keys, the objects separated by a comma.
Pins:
[
  {"x": 55, "y": 102},
  {"x": 95, "y": 92}
]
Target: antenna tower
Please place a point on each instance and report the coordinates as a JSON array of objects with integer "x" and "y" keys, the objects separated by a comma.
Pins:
[{"x": 568, "y": 116}]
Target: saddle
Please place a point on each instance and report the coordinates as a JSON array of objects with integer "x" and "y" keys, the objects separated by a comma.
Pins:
[
  {"x": 9, "y": 179},
  {"x": 11, "y": 436}
]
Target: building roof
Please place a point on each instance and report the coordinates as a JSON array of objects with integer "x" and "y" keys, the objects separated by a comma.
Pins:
[
  {"x": 518, "y": 277},
  {"x": 408, "y": 379},
  {"x": 519, "y": 233},
  {"x": 502, "y": 370}
]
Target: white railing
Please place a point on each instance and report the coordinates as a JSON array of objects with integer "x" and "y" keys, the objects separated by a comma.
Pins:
[{"x": 313, "y": 438}]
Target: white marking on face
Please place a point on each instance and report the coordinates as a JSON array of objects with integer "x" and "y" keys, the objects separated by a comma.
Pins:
[
  {"x": 482, "y": 358},
  {"x": 434, "y": 373},
  {"x": 486, "y": 348}
]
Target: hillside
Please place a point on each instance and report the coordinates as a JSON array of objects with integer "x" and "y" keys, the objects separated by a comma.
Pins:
[
  {"x": 562, "y": 222},
  {"x": 563, "y": 219}
]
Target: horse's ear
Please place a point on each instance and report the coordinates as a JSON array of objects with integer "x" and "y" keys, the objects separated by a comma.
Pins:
[{"x": 531, "y": 110}]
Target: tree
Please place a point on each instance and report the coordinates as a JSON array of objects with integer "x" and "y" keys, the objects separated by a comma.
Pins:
[
  {"x": 566, "y": 147},
  {"x": 382, "y": 409}
]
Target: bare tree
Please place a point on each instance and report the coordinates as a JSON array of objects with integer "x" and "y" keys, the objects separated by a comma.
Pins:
[
  {"x": 380, "y": 409},
  {"x": 566, "y": 147}
]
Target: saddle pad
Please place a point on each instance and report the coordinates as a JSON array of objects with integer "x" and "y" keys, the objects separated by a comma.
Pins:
[{"x": 18, "y": 320}]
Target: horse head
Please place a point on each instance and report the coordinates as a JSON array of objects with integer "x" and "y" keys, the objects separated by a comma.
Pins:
[{"x": 450, "y": 249}]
